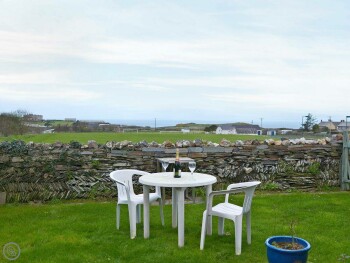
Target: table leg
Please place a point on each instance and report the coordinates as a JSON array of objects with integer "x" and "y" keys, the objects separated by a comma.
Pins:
[
  {"x": 174, "y": 207},
  {"x": 146, "y": 211},
  {"x": 162, "y": 189},
  {"x": 208, "y": 189},
  {"x": 181, "y": 215}
]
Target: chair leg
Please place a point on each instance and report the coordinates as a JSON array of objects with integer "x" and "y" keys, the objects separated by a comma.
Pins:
[
  {"x": 160, "y": 200},
  {"x": 204, "y": 227},
  {"x": 186, "y": 193},
  {"x": 249, "y": 232},
  {"x": 132, "y": 220},
  {"x": 193, "y": 195},
  {"x": 174, "y": 207},
  {"x": 221, "y": 226},
  {"x": 138, "y": 214},
  {"x": 238, "y": 234},
  {"x": 118, "y": 216},
  {"x": 209, "y": 225}
]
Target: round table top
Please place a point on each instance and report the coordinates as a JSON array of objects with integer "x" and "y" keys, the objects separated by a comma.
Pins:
[{"x": 187, "y": 180}]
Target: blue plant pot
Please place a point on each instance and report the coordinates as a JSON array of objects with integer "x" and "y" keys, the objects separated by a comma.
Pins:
[{"x": 278, "y": 255}]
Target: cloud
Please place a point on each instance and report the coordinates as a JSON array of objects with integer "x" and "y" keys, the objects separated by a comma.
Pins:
[
  {"x": 37, "y": 77},
  {"x": 26, "y": 47},
  {"x": 46, "y": 95}
]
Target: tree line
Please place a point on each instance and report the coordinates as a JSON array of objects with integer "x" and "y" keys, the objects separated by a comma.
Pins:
[
  {"x": 17, "y": 123},
  {"x": 13, "y": 123}
]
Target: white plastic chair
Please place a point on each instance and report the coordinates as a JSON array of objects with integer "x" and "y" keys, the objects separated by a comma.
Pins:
[
  {"x": 230, "y": 211},
  {"x": 126, "y": 196}
]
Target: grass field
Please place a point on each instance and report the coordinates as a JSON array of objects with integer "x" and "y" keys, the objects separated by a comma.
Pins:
[
  {"x": 103, "y": 137},
  {"x": 85, "y": 232}
]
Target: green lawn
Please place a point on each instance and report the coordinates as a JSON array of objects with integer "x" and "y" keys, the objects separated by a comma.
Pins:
[
  {"x": 103, "y": 137},
  {"x": 85, "y": 232}
]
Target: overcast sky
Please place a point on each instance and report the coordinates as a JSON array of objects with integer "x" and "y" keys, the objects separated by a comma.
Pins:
[{"x": 213, "y": 61}]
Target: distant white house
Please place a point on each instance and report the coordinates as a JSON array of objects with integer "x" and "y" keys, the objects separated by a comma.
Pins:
[
  {"x": 226, "y": 129},
  {"x": 237, "y": 129},
  {"x": 185, "y": 130},
  {"x": 271, "y": 133}
]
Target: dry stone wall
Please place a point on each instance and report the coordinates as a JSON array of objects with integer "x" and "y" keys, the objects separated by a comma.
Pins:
[{"x": 67, "y": 171}]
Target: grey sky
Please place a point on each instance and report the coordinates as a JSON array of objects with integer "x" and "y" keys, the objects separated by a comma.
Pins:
[{"x": 221, "y": 61}]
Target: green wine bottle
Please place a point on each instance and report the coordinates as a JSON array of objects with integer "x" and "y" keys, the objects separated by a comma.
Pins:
[{"x": 177, "y": 167}]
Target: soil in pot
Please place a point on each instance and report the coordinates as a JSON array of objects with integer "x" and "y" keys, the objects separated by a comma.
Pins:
[{"x": 288, "y": 245}]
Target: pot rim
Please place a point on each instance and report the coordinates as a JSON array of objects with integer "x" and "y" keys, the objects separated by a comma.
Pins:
[{"x": 267, "y": 243}]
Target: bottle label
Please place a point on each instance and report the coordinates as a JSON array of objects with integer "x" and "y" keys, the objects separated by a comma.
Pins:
[
  {"x": 177, "y": 169},
  {"x": 177, "y": 166}
]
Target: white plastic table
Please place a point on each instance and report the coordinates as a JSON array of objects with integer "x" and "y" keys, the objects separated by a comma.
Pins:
[{"x": 178, "y": 186}]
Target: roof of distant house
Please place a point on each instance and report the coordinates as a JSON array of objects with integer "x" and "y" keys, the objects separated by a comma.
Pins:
[
  {"x": 326, "y": 123},
  {"x": 226, "y": 127},
  {"x": 343, "y": 124},
  {"x": 246, "y": 130}
]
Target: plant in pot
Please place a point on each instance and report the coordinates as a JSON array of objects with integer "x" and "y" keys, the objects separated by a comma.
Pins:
[{"x": 287, "y": 249}]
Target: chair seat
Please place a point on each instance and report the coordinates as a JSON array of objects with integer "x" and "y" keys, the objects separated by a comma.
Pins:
[
  {"x": 138, "y": 199},
  {"x": 227, "y": 210}
]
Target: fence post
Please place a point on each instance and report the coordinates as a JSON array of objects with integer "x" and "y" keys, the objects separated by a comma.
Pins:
[{"x": 345, "y": 170}]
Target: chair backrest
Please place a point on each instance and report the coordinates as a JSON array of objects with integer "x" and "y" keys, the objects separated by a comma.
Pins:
[
  {"x": 123, "y": 179},
  {"x": 248, "y": 188}
]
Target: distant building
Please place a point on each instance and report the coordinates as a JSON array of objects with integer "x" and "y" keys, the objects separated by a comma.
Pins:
[
  {"x": 343, "y": 126},
  {"x": 185, "y": 130},
  {"x": 330, "y": 125},
  {"x": 247, "y": 129},
  {"x": 271, "y": 133},
  {"x": 237, "y": 129},
  {"x": 333, "y": 126},
  {"x": 226, "y": 129}
]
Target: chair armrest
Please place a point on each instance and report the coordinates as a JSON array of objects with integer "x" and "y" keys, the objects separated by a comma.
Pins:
[
  {"x": 243, "y": 185},
  {"x": 127, "y": 190},
  {"x": 119, "y": 182},
  {"x": 223, "y": 192}
]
